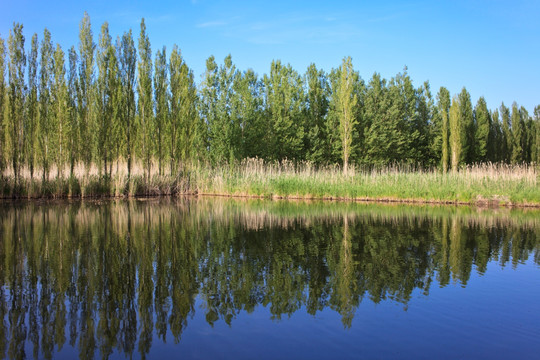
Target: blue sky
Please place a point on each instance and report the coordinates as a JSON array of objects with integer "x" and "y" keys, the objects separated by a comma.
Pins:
[{"x": 491, "y": 47}]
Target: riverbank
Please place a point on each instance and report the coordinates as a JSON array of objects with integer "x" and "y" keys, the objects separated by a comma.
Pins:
[{"x": 486, "y": 185}]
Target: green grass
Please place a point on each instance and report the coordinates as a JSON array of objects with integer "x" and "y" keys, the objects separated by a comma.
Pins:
[
  {"x": 488, "y": 183},
  {"x": 482, "y": 184}
]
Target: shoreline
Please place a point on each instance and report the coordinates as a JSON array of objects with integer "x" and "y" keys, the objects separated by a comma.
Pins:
[{"x": 481, "y": 203}]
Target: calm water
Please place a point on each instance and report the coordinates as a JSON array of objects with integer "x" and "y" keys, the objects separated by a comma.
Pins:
[{"x": 212, "y": 278}]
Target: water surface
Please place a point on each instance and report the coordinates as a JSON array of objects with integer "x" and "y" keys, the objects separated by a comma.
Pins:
[{"x": 213, "y": 278}]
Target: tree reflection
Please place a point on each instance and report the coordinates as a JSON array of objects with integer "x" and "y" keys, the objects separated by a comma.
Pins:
[{"x": 116, "y": 276}]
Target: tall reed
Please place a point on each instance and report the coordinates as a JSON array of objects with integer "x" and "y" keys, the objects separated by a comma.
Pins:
[{"x": 482, "y": 183}]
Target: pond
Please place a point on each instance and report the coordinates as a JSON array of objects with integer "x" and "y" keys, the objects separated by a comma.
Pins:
[{"x": 210, "y": 278}]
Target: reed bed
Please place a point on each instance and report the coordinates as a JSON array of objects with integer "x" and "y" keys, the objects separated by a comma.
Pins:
[
  {"x": 490, "y": 184},
  {"x": 483, "y": 183}
]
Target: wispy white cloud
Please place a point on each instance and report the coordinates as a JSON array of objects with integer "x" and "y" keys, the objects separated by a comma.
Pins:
[
  {"x": 211, "y": 24},
  {"x": 291, "y": 28}
]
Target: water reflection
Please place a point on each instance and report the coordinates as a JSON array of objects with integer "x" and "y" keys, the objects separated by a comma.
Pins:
[{"x": 118, "y": 276}]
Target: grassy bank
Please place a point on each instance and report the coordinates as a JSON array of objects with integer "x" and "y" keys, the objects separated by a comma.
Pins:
[
  {"x": 483, "y": 184},
  {"x": 500, "y": 184}
]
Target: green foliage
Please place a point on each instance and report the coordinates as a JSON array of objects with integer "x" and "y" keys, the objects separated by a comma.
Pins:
[
  {"x": 2, "y": 104},
  {"x": 507, "y": 140},
  {"x": 184, "y": 126},
  {"x": 32, "y": 110},
  {"x": 85, "y": 88},
  {"x": 468, "y": 128},
  {"x": 16, "y": 98},
  {"x": 496, "y": 140},
  {"x": 317, "y": 105},
  {"x": 127, "y": 55},
  {"x": 518, "y": 132},
  {"x": 60, "y": 112},
  {"x": 72, "y": 131},
  {"x": 144, "y": 89},
  {"x": 483, "y": 126},
  {"x": 284, "y": 102},
  {"x": 45, "y": 128},
  {"x": 443, "y": 104},
  {"x": 457, "y": 134},
  {"x": 161, "y": 104},
  {"x": 106, "y": 101}
]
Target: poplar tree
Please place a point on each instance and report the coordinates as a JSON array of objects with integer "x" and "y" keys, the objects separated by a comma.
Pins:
[
  {"x": 517, "y": 135},
  {"x": 376, "y": 106},
  {"x": 467, "y": 127},
  {"x": 73, "y": 114},
  {"x": 284, "y": 99},
  {"x": 422, "y": 115},
  {"x": 106, "y": 94},
  {"x": 483, "y": 126},
  {"x": 394, "y": 125},
  {"x": 529, "y": 138},
  {"x": 443, "y": 102},
  {"x": 536, "y": 152},
  {"x": 32, "y": 106},
  {"x": 128, "y": 63},
  {"x": 144, "y": 87},
  {"x": 2, "y": 105},
  {"x": 85, "y": 89},
  {"x": 457, "y": 134},
  {"x": 16, "y": 97},
  {"x": 59, "y": 110},
  {"x": 317, "y": 108},
  {"x": 161, "y": 104},
  {"x": 183, "y": 124},
  {"x": 495, "y": 142},
  {"x": 346, "y": 102},
  {"x": 223, "y": 125},
  {"x": 246, "y": 110},
  {"x": 507, "y": 140},
  {"x": 44, "y": 130},
  {"x": 208, "y": 104}
]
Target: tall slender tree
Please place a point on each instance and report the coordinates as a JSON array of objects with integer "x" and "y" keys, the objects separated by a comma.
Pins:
[
  {"x": 346, "y": 103},
  {"x": 32, "y": 110},
  {"x": 443, "y": 98},
  {"x": 467, "y": 126},
  {"x": 495, "y": 142},
  {"x": 529, "y": 137},
  {"x": 316, "y": 110},
  {"x": 86, "y": 87},
  {"x": 246, "y": 109},
  {"x": 457, "y": 134},
  {"x": 508, "y": 137},
  {"x": 59, "y": 110},
  {"x": 208, "y": 103},
  {"x": 536, "y": 158},
  {"x": 517, "y": 135},
  {"x": 2, "y": 105},
  {"x": 73, "y": 115},
  {"x": 144, "y": 87},
  {"x": 223, "y": 127},
  {"x": 128, "y": 63},
  {"x": 44, "y": 130},
  {"x": 183, "y": 127},
  {"x": 106, "y": 93},
  {"x": 483, "y": 126},
  {"x": 161, "y": 104},
  {"x": 16, "y": 97}
]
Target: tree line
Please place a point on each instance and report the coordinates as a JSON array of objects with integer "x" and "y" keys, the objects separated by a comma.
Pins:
[{"x": 114, "y": 100}]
